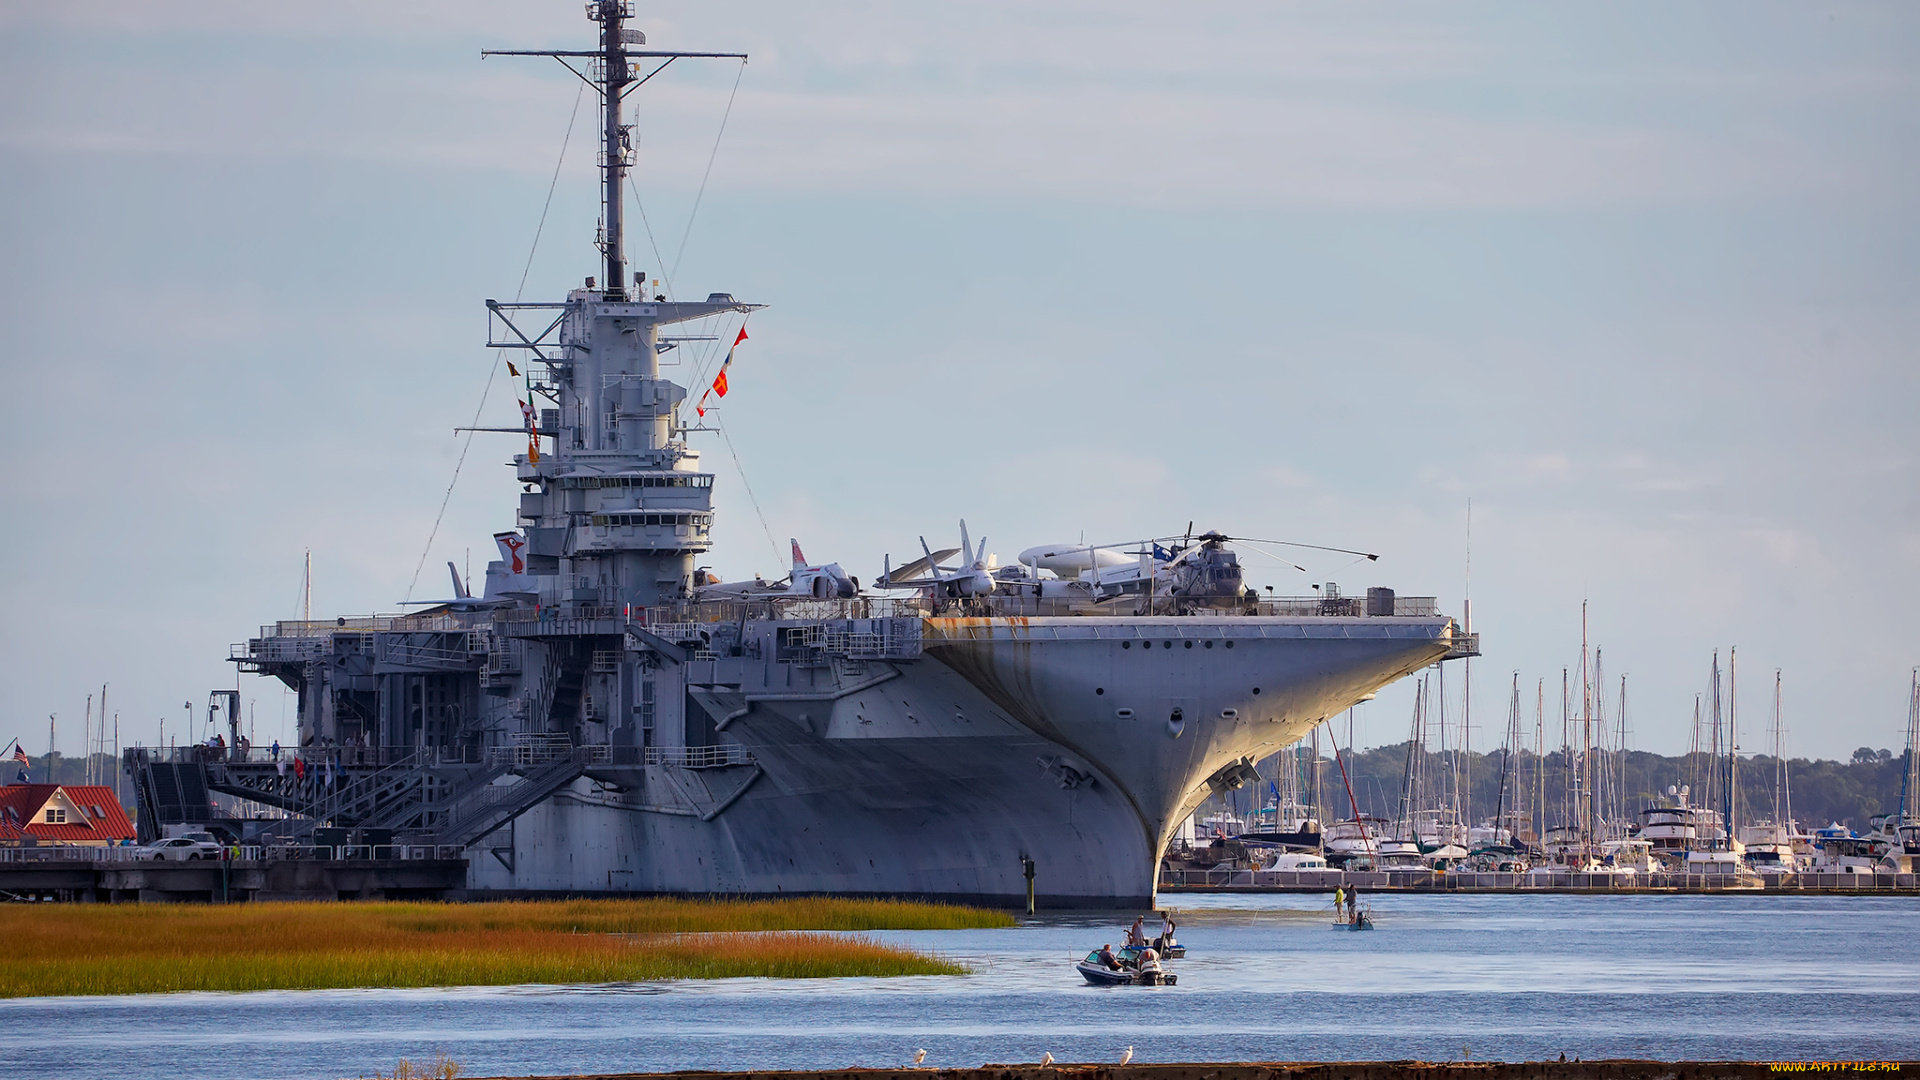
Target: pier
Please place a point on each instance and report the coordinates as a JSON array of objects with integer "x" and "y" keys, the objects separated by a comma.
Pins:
[
  {"x": 107, "y": 876},
  {"x": 1340, "y": 1070},
  {"x": 1433, "y": 881}
]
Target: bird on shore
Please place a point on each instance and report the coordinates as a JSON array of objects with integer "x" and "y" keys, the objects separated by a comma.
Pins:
[
  {"x": 1048, "y": 1060},
  {"x": 1126, "y": 1057},
  {"x": 920, "y": 1055}
]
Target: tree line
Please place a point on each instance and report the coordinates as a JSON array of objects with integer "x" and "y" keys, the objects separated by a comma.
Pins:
[{"x": 1821, "y": 792}]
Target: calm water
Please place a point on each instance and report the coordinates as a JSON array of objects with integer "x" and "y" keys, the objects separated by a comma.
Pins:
[{"x": 1512, "y": 977}]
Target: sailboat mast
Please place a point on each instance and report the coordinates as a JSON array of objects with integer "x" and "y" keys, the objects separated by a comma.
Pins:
[
  {"x": 1540, "y": 756},
  {"x": 1506, "y": 758},
  {"x": 1733, "y": 744},
  {"x": 1586, "y": 737},
  {"x": 1622, "y": 813},
  {"x": 1779, "y": 756},
  {"x": 1693, "y": 775},
  {"x": 1713, "y": 758},
  {"x": 100, "y": 771},
  {"x": 1567, "y": 817},
  {"x": 1910, "y": 782},
  {"x": 1600, "y": 771},
  {"x": 1465, "y": 772}
]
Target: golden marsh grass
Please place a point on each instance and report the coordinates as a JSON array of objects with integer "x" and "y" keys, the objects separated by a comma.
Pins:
[{"x": 137, "y": 949}]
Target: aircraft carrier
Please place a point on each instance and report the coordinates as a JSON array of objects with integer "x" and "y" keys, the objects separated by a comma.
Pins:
[{"x": 606, "y": 718}]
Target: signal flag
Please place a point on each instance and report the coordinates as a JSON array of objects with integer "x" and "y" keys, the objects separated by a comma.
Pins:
[{"x": 719, "y": 387}]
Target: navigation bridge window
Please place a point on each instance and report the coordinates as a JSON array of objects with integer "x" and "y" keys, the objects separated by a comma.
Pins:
[
  {"x": 670, "y": 480},
  {"x": 654, "y": 520}
]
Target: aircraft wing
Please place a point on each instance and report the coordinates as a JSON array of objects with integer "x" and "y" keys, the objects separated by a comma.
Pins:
[
  {"x": 755, "y": 587},
  {"x": 462, "y": 603},
  {"x": 921, "y": 565}
]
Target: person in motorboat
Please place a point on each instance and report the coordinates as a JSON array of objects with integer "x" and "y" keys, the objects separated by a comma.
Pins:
[
  {"x": 1137, "y": 934},
  {"x": 1165, "y": 943},
  {"x": 1145, "y": 965},
  {"x": 1358, "y": 918},
  {"x": 1107, "y": 958}
]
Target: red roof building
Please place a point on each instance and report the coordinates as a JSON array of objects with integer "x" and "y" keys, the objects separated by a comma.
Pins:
[{"x": 62, "y": 814}]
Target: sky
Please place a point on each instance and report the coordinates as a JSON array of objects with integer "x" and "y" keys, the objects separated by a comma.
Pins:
[{"x": 1608, "y": 304}]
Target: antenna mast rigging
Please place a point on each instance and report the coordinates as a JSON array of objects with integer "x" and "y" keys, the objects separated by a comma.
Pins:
[{"x": 613, "y": 75}]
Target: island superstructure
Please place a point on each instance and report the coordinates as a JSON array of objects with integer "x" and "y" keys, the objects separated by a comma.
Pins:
[{"x": 603, "y": 720}]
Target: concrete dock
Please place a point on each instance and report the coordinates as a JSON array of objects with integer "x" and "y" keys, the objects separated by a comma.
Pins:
[
  {"x": 1353, "y": 1070},
  {"x": 232, "y": 881}
]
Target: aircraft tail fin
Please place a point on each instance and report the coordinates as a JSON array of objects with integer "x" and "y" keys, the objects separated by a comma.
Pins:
[
  {"x": 511, "y": 546},
  {"x": 799, "y": 560},
  {"x": 459, "y": 589}
]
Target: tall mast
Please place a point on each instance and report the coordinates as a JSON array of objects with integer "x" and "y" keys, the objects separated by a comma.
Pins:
[
  {"x": 1567, "y": 776},
  {"x": 1506, "y": 759},
  {"x": 629, "y": 544},
  {"x": 612, "y": 74},
  {"x": 1586, "y": 738},
  {"x": 615, "y": 74},
  {"x": 1466, "y": 702},
  {"x": 1540, "y": 758},
  {"x": 1778, "y": 809},
  {"x": 1626, "y": 811},
  {"x": 1733, "y": 744},
  {"x": 1910, "y": 782},
  {"x": 1713, "y": 754}
]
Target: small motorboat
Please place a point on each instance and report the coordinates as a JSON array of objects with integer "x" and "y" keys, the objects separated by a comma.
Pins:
[
  {"x": 1138, "y": 967},
  {"x": 1355, "y": 917},
  {"x": 1168, "y": 948}
]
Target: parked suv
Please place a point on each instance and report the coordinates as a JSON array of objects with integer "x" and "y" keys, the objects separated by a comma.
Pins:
[{"x": 179, "y": 849}]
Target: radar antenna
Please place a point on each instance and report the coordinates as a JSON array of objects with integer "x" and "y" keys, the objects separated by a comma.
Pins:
[{"x": 612, "y": 73}]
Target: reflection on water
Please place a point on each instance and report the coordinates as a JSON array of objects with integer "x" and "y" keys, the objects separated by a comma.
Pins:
[{"x": 1268, "y": 978}]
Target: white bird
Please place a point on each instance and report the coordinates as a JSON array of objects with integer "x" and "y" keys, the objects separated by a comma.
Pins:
[
  {"x": 920, "y": 1055},
  {"x": 1126, "y": 1057},
  {"x": 1048, "y": 1060}
]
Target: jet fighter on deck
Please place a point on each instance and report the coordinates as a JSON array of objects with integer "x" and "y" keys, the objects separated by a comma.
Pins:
[
  {"x": 824, "y": 581},
  {"x": 462, "y": 600}
]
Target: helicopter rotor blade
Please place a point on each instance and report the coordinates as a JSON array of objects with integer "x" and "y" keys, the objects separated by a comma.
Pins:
[{"x": 1367, "y": 555}]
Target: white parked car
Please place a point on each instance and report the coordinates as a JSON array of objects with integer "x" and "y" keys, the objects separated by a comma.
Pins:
[{"x": 178, "y": 849}]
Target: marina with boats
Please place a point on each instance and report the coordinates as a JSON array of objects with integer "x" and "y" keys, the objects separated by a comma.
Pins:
[{"x": 1564, "y": 820}]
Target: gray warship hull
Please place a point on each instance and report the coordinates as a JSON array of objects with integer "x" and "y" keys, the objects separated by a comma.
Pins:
[
  {"x": 1009, "y": 740},
  {"x": 821, "y": 751}
]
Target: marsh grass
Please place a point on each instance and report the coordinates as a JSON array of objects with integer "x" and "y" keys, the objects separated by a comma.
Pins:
[{"x": 133, "y": 949}]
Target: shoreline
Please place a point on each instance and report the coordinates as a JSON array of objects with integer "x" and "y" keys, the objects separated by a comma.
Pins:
[{"x": 1607, "y": 1069}]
